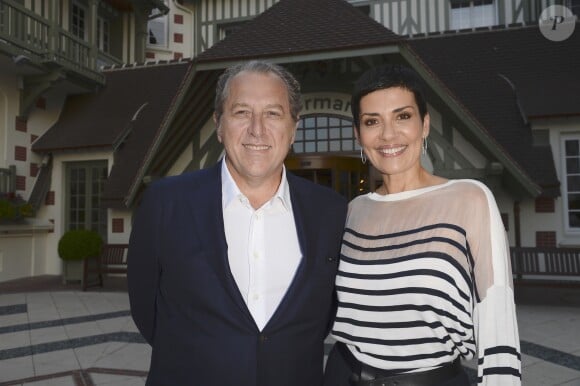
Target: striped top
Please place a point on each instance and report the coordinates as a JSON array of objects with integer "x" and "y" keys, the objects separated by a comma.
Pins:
[{"x": 424, "y": 278}]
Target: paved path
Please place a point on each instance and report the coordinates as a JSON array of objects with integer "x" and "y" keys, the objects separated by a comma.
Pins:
[{"x": 56, "y": 335}]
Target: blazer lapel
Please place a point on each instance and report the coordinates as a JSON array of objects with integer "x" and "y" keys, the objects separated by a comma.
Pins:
[
  {"x": 207, "y": 213},
  {"x": 299, "y": 207}
]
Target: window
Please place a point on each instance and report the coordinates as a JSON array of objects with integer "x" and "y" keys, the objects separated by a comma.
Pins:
[
  {"x": 324, "y": 133},
  {"x": 158, "y": 29},
  {"x": 79, "y": 21},
  {"x": 571, "y": 182},
  {"x": 574, "y": 6},
  {"x": 103, "y": 35},
  {"x": 84, "y": 188},
  {"x": 472, "y": 14}
]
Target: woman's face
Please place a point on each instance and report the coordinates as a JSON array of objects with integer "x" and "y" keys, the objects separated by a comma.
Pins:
[{"x": 391, "y": 131}]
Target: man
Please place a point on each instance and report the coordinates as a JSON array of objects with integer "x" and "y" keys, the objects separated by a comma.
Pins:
[{"x": 231, "y": 268}]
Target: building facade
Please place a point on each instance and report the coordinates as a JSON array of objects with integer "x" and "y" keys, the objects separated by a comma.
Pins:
[
  {"x": 51, "y": 51},
  {"x": 486, "y": 66}
]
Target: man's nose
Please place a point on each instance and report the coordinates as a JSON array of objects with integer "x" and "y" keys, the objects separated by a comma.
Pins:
[{"x": 256, "y": 125}]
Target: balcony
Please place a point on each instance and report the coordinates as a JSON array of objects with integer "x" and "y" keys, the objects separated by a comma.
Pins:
[{"x": 27, "y": 35}]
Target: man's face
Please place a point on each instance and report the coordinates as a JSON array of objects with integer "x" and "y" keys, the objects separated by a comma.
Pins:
[{"x": 256, "y": 128}]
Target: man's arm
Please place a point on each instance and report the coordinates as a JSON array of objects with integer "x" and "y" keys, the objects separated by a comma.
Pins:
[{"x": 143, "y": 270}]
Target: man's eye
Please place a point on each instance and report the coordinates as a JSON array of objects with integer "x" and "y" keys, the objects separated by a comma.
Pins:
[
  {"x": 273, "y": 114},
  {"x": 241, "y": 113}
]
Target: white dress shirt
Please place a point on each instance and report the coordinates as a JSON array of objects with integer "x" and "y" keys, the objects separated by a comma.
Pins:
[{"x": 263, "y": 247}]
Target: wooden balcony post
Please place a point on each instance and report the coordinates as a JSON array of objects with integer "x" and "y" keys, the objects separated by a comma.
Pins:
[
  {"x": 92, "y": 21},
  {"x": 54, "y": 25}
]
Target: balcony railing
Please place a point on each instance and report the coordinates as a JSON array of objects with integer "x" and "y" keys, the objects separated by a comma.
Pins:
[
  {"x": 45, "y": 41},
  {"x": 74, "y": 51},
  {"x": 23, "y": 28}
]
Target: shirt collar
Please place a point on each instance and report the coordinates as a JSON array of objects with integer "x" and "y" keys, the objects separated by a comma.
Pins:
[{"x": 230, "y": 190}]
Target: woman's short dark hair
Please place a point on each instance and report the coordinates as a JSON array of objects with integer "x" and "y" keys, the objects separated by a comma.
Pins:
[
  {"x": 383, "y": 77},
  {"x": 292, "y": 85}
]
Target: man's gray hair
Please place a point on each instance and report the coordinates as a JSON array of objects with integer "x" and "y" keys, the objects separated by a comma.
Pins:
[{"x": 292, "y": 85}]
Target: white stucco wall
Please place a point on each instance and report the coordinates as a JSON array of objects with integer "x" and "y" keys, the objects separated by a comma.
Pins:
[
  {"x": 9, "y": 137},
  {"x": 22, "y": 250},
  {"x": 119, "y": 237}
]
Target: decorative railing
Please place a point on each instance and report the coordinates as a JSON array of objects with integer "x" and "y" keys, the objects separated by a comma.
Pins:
[
  {"x": 74, "y": 51},
  {"x": 41, "y": 40},
  {"x": 537, "y": 262},
  {"x": 23, "y": 28}
]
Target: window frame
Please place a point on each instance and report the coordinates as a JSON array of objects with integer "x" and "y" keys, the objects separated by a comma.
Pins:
[
  {"x": 574, "y": 6},
  {"x": 85, "y": 10},
  {"x": 103, "y": 34},
  {"x": 472, "y": 6},
  {"x": 564, "y": 182},
  {"x": 88, "y": 195},
  {"x": 164, "y": 20},
  {"x": 344, "y": 123}
]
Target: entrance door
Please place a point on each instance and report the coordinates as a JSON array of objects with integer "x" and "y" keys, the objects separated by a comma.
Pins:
[{"x": 346, "y": 175}]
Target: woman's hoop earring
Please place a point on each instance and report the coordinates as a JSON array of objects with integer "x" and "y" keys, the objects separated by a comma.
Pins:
[
  {"x": 363, "y": 158},
  {"x": 424, "y": 147}
]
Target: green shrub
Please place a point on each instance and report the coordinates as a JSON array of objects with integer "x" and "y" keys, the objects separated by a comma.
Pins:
[
  {"x": 79, "y": 244},
  {"x": 14, "y": 208}
]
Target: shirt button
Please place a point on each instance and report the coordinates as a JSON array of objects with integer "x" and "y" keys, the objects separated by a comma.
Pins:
[{"x": 255, "y": 296}]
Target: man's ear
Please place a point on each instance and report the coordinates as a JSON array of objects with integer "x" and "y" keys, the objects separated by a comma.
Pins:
[
  {"x": 218, "y": 129},
  {"x": 294, "y": 133}
]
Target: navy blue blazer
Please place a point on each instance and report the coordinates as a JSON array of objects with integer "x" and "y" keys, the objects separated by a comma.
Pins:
[{"x": 186, "y": 303}]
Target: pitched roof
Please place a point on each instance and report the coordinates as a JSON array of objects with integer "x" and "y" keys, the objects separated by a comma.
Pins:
[
  {"x": 124, "y": 117},
  {"x": 505, "y": 77},
  {"x": 292, "y": 27}
]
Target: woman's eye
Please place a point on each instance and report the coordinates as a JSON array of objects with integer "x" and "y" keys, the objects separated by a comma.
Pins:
[
  {"x": 370, "y": 122},
  {"x": 404, "y": 116}
]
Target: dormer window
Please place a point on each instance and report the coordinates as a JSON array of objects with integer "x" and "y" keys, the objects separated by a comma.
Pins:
[{"x": 472, "y": 14}]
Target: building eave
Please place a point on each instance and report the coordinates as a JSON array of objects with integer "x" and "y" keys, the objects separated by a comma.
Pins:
[{"x": 303, "y": 57}]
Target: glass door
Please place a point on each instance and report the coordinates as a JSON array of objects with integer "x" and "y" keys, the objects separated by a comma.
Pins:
[{"x": 346, "y": 175}]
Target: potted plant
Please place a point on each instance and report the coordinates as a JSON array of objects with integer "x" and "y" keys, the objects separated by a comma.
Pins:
[
  {"x": 73, "y": 248},
  {"x": 13, "y": 208}
]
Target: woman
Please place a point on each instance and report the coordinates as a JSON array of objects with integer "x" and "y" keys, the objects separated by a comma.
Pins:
[{"x": 424, "y": 278}]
